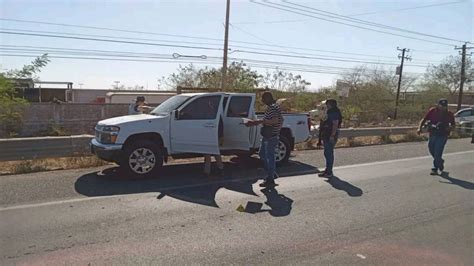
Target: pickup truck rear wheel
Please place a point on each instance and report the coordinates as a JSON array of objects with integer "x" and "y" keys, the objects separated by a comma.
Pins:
[
  {"x": 283, "y": 151},
  {"x": 142, "y": 159}
]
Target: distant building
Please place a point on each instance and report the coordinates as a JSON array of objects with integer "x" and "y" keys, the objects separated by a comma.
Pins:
[
  {"x": 54, "y": 91},
  {"x": 42, "y": 91}
]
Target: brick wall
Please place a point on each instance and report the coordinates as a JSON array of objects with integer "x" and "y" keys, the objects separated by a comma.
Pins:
[{"x": 73, "y": 118}]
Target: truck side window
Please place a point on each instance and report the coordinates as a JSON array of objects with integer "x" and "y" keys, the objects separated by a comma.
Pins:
[
  {"x": 465, "y": 113},
  {"x": 204, "y": 108},
  {"x": 239, "y": 106}
]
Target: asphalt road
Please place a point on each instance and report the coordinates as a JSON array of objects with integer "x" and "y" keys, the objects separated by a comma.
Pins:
[{"x": 382, "y": 207}]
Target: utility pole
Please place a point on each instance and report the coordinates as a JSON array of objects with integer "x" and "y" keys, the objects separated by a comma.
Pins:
[
  {"x": 463, "y": 73},
  {"x": 226, "y": 46},
  {"x": 403, "y": 58}
]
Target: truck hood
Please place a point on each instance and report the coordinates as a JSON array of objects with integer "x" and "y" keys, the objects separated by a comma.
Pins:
[{"x": 117, "y": 121}]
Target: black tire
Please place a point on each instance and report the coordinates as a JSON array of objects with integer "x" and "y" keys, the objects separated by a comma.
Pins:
[
  {"x": 284, "y": 151},
  {"x": 142, "y": 159}
]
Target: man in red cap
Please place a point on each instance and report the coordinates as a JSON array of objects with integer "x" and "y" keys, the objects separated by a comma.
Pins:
[{"x": 440, "y": 123}]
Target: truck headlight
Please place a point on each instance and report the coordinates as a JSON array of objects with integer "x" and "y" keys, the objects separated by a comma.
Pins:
[
  {"x": 111, "y": 129},
  {"x": 107, "y": 134}
]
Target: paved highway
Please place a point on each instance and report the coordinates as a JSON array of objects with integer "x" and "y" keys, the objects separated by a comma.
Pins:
[{"x": 382, "y": 207}]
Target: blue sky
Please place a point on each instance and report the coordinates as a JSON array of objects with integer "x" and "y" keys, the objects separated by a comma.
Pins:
[{"x": 250, "y": 23}]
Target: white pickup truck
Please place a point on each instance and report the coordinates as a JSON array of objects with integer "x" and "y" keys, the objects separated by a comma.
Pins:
[{"x": 189, "y": 125}]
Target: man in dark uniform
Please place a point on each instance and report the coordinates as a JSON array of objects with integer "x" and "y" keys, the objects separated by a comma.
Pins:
[
  {"x": 329, "y": 133},
  {"x": 440, "y": 122}
]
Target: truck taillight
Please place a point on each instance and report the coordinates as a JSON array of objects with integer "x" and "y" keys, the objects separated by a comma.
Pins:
[{"x": 309, "y": 123}]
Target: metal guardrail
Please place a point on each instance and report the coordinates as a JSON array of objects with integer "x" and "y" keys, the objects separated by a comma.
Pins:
[
  {"x": 366, "y": 132},
  {"x": 44, "y": 147},
  {"x": 69, "y": 146}
]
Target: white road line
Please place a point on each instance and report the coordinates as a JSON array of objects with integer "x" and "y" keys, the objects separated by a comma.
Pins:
[
  {"x": 399, "y": 160},
  {"x": 34, "y": 205}
]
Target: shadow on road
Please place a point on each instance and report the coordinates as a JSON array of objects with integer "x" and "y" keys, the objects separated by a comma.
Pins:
[
  {"x": 350, "y": 189},
  {"x": 279, "y": 204},
  {"x": 458, "y": 182},
  {"x": 183, "y": 181}
]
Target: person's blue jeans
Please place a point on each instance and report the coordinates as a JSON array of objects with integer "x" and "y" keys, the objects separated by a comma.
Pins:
[
  {"x": 329, "y": 154},
  {"x": 267, "y": 155},
  {"x": 436, "y": 147}
]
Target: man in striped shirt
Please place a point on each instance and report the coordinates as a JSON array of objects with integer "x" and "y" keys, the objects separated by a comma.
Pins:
[{"x": 270, "y": 131}]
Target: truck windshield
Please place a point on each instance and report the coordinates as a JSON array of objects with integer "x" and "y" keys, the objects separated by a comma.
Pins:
[{"x": 170, "y": 104}]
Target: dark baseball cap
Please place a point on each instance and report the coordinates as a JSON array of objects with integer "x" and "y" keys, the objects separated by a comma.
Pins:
[{"x": 443, "y": 102}]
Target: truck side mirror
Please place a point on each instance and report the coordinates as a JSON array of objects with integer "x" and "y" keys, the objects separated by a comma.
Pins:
[{"x": 176, "y": 114}]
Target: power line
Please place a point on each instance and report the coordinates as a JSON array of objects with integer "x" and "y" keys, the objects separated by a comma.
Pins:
[
  {"x": 176, "y": 35},
  {"x": 108, "y": 29},
  {"x": 406, "y": 8},
  {"x": 350, "y": 15},
  {"x": 212, "y": 61},
  {"x": 126, "y": 53},
  {"x": 246, "y": 47},
  {"x": 106, "y": 40},
  {"x": 318, "y": 50},
  {"x": 430, "y": 52},
  {"x": 329, "y": 59},
  {"x": 161, "y": 61},
  {"x": 125, "y": 38},
  {"x": 365, "y": 22},
  {"x": 266, "y": 41},
  {"x": 117, "y": 59},
  {"x": 271, "y": 22},
  {"x": 108, "y": 36},
  {"x": 347, "y": 24}
]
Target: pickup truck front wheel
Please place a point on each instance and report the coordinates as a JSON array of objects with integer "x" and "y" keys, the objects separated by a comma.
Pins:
[
  {"x": 283, "y": 151},
  {"x": 142, "y": 159}
]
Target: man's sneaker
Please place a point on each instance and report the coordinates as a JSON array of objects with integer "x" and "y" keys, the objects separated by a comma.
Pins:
[
  {"x": 326, "y": 175},
  {"x": 268, "y": 184},
  {"x": 434, "y": 171}
]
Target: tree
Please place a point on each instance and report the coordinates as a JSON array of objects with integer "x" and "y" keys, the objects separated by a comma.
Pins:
[
  {"x": 11, "y": 107},
  {"x": 446, "y": 75},
  {"x": 239, "y": 77},
  {"x": 378, "y": 76},
  {"x": 123, "y": 87},
  {"x": 29, "y": 71},
  {"x": 186, "y": 76},
  {"x": 284, "y": 81}
]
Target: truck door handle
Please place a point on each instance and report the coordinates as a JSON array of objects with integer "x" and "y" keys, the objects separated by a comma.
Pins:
[{"x": 209, "y": 125}]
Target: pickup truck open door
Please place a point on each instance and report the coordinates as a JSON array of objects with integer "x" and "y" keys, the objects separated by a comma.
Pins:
[
  {"x": 237, "y": 136},
  {"x": 194, "y": 127}
]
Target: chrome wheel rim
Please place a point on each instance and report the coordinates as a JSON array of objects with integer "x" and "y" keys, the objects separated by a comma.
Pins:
[
  {"x": 280, "y": 151},
  {"x": 142, "y": 161}
]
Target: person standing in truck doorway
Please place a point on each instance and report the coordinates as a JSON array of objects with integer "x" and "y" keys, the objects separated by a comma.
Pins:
[
  {"x": 270, "y": 131},
  {"x": 220, "y": 138},
  {"x": 217, "y": 157},
  {"x": 139, "y": 107},
  {"x": 440, "y": 122},
  {"x": 329, "y": 132}
]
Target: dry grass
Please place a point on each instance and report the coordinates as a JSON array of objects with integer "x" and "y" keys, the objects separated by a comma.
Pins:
[{"x": 38, "y": 165}]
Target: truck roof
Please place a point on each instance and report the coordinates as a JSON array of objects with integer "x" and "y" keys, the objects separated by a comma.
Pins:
[
  {"x": 141, "y": 93},
  {"x": 222, "y": 93}
]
